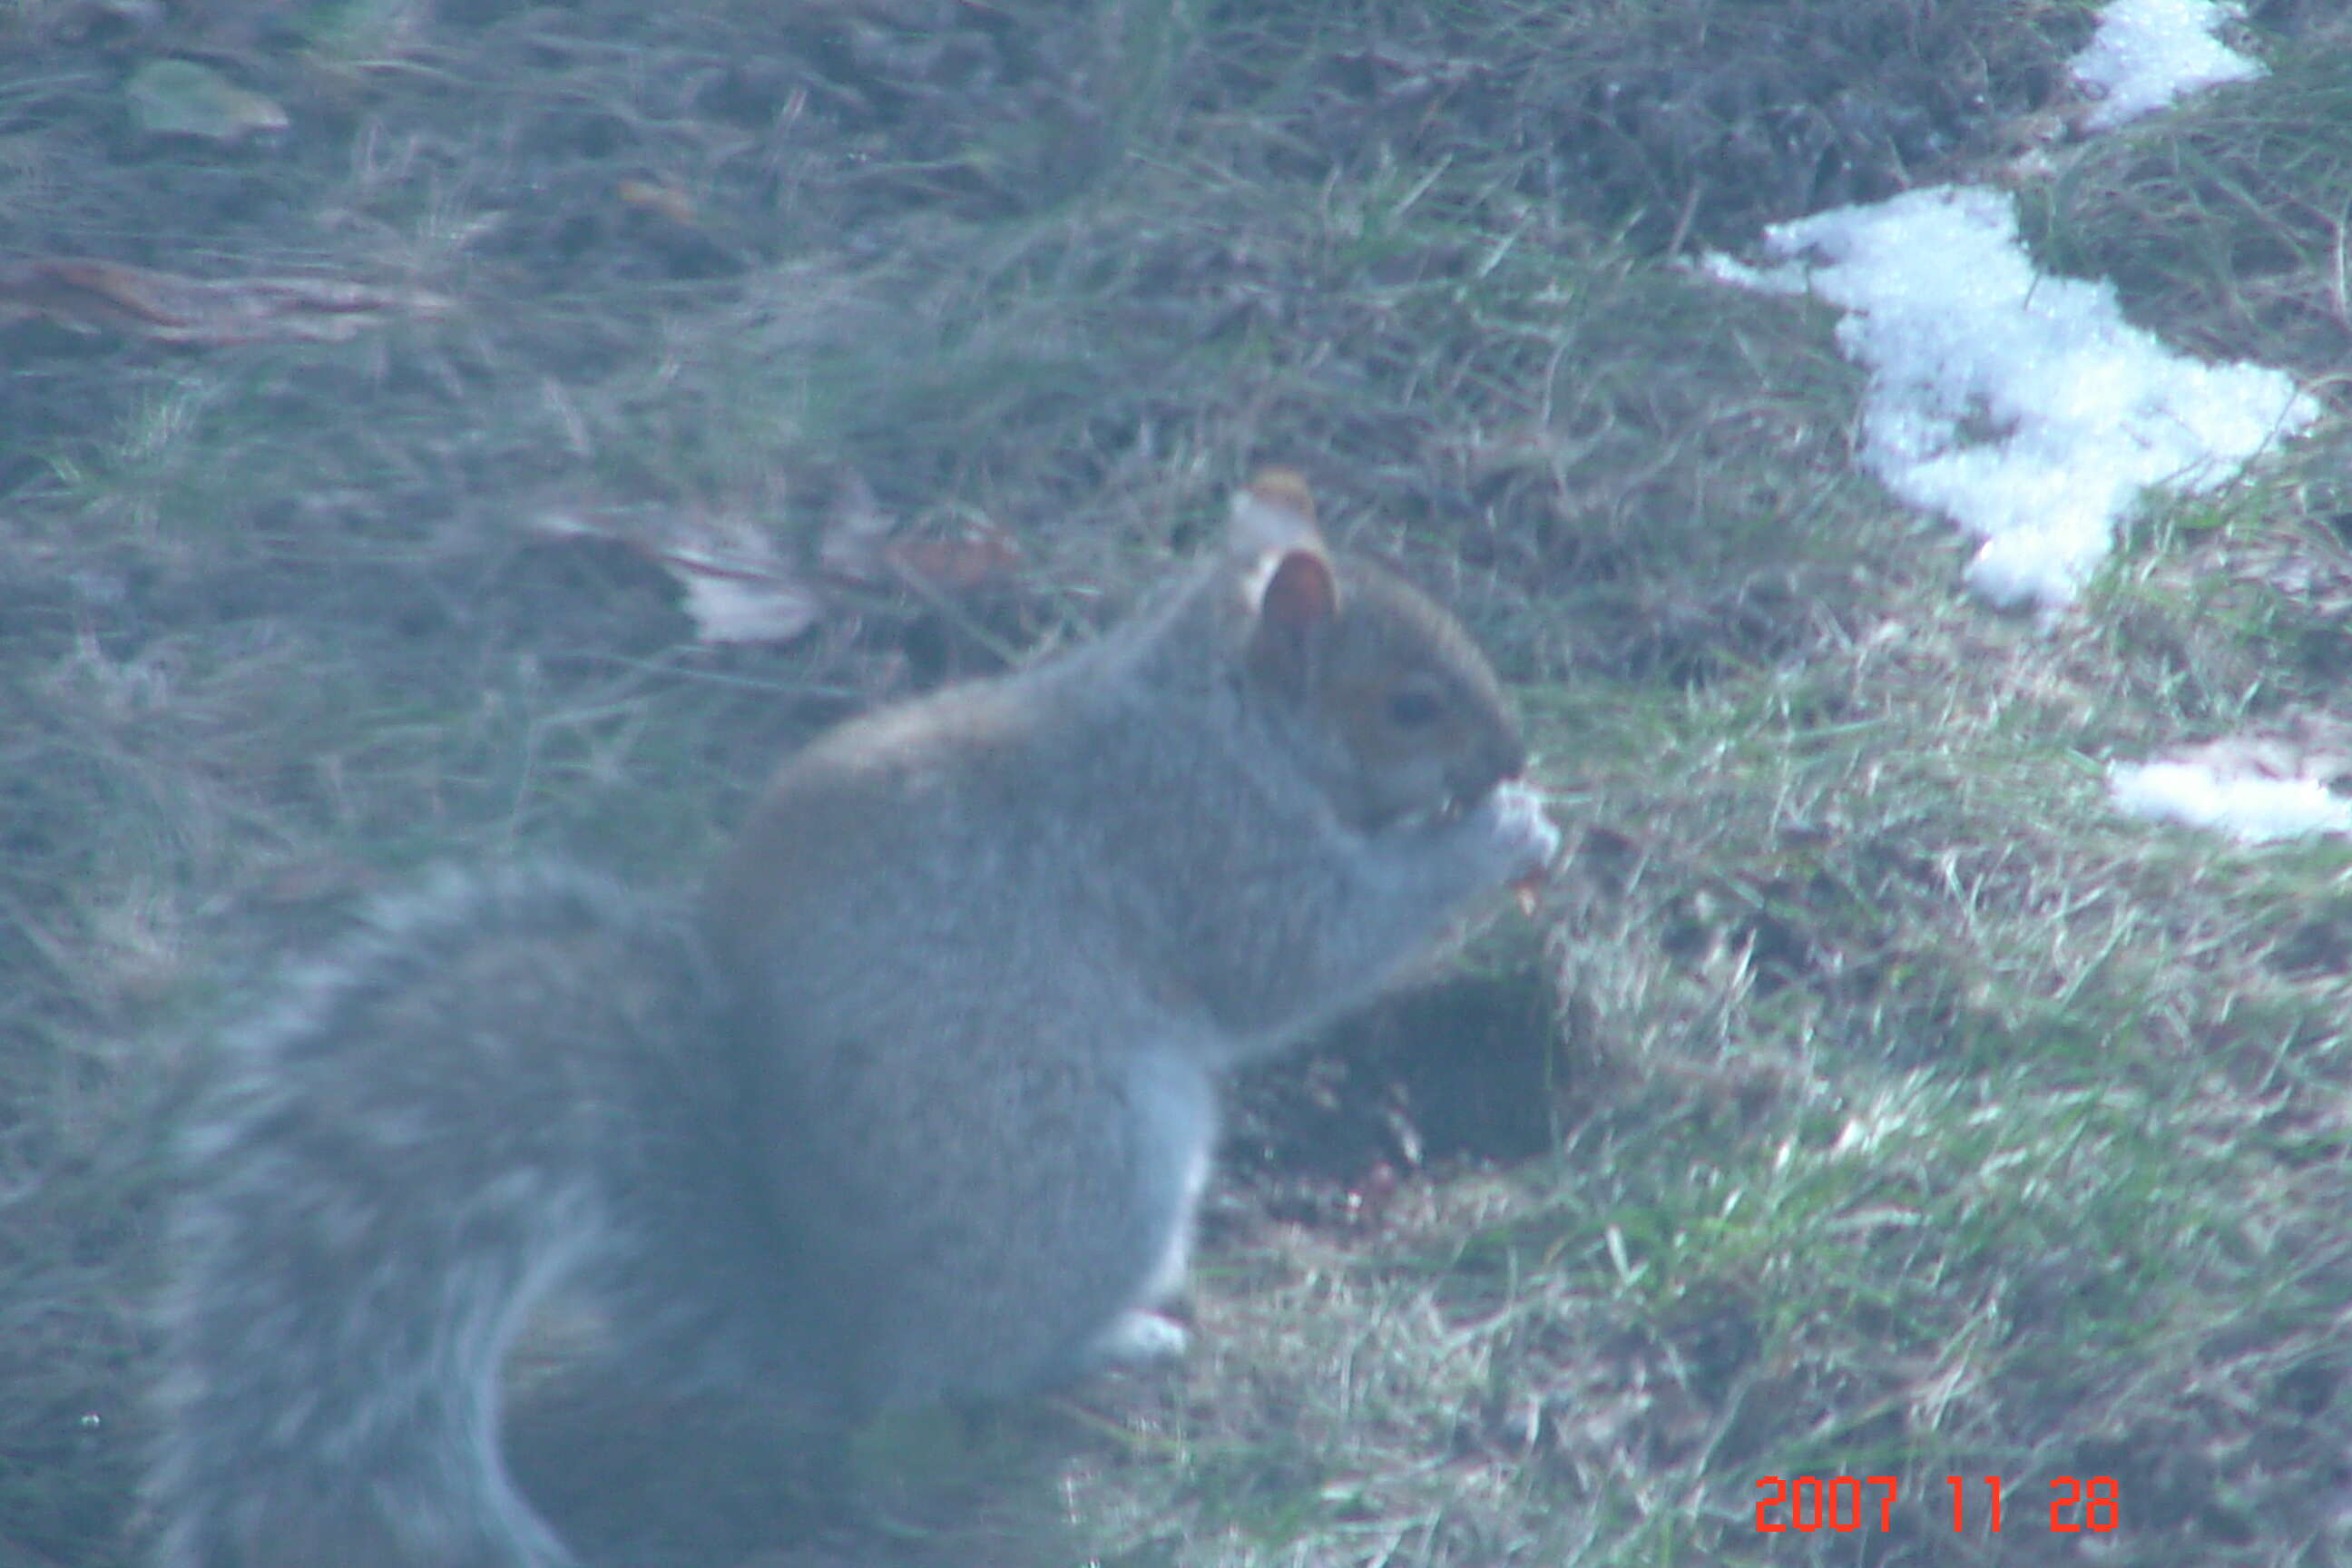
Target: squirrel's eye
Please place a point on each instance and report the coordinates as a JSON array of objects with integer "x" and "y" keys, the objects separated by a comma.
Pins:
[{"x": 1413, "y": 707}]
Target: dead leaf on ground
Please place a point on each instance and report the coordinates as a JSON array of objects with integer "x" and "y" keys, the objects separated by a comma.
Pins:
[
  {"x": 742, "y": 584},
  {"x": 976, "y": 555},
  {"x": 169, "y": 308},
  {"x": 862, "y": 544},
  {"x": 180, "y": 98},
  {"x": 661, "y": 198},
  {"x": 739, "y": 587}
]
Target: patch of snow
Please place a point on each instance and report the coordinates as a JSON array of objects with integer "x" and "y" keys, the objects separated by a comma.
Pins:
[
  {"x": 1786, "y": 278},
  {"x": 2252, "y": 810},
  {"x": 2024, "y": 407},
  {"x": 2148, "y": 52},
  {"x": 2027, "y": 410}
]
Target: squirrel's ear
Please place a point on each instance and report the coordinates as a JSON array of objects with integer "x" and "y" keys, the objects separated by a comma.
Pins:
[
  {"x": 1287, "y": 580},
  {"x": 1273, "y": 515}
]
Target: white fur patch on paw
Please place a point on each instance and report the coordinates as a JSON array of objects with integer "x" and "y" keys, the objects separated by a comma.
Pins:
[
  {"x": 1140, "y": 1339},
  {"x": 1533, "y": 841}
]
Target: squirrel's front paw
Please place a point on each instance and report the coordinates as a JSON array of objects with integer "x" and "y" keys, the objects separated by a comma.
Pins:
[
  {"x": 1137, "y": 1338},
  {"x": 1523, "y": 836},
  {"x": 1504, "y": 841}
]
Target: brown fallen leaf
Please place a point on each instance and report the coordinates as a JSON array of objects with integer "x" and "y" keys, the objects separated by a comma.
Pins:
[
  {"x": 863, "y": 545},
  {"x": 664, "y": 200},
  {"x": 739, "y": 587},
  {"x": 168, "y": 308},
  {"x": 744, "y": 585},
  {"x": 980, "y": 555}
]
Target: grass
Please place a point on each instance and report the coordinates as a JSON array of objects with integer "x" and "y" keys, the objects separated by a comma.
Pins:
[
  {"x": 1904, "y": 1111},
  {"x": 2226, "y": 221}
]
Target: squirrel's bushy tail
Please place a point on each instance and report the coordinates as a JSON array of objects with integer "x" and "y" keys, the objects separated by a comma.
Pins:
[{"x": 436, "y": 1124}]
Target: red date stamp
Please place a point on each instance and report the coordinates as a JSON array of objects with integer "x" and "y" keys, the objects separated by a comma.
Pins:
[{"x": 1804, "y": 1504}]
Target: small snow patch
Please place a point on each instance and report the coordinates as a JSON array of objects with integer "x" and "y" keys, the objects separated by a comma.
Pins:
[
  {"x": 2148, "y": 52},
  {"x": 2251, "y": 810},
  {"x": 2024, "y": 407},
  {"x": 2275, "y": 782}
]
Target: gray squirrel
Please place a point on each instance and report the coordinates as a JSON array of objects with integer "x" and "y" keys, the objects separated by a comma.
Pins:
[{"x": 917, "y": 1103}]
